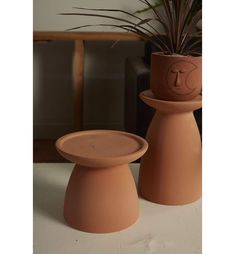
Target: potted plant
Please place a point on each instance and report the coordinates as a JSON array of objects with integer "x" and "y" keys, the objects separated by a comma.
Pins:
[{"x": 176, "y": 71}]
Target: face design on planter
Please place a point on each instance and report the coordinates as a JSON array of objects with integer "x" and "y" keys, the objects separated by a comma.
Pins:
[{"x": 180, "y": 77}]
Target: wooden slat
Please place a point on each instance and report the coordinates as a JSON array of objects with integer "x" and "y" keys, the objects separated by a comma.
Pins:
[
  {"x": 78, "y": 71},
  {"x": 89, "y": 36}
]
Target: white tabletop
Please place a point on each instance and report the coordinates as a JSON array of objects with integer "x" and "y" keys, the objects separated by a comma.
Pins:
[{"x": 159, "y": 230}]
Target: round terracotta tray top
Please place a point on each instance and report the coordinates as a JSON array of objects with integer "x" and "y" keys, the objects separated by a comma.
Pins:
[
  {"x": 101, "y": 147},
  {"x": 181, "y": 106}
]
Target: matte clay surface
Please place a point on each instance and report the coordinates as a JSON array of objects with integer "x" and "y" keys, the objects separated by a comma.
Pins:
[
  {"x": 170, "y": 171},
  {"x": 101, "y": 148},
  {"x": 160, "y": 229},
  {"x": 101, "y": 200},
  {"x": 101, "y": 196},
  {"x": 175, "y": 77}
]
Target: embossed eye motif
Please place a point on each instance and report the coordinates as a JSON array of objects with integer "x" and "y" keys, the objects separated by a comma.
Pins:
[
  {"x": 183, "y": 70},
  {"x": 180, "y": 71},
  {"x": 178, "y": 77},
  {"x": 174, "y": 70}
]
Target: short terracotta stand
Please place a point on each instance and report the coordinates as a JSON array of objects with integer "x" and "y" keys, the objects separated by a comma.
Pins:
[
  {"x": 101, "y": 195},
  {"x": 170, "y": 171}
]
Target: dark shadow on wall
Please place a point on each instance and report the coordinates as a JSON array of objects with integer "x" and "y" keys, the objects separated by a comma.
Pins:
[{"x": 53, "y": 89}]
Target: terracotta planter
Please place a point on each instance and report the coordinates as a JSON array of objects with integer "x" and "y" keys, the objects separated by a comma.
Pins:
[
  {"x": 175, "y": 77},
  {"x": 101, "y": 195},
  {"x": 170, "y": 171}
]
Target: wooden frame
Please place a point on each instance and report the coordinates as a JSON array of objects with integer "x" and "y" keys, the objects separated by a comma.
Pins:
[
  {"x": 79, "y": 54},
  {"x": 85, "y": 36}
]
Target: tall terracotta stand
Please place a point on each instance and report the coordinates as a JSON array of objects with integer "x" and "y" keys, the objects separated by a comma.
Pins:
[
  {"x": 170, "y": 171},
  {"x": 101, "y": 195}
]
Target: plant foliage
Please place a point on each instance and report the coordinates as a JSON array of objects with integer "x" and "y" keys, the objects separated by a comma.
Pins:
[{"x": 178, "y": 19}]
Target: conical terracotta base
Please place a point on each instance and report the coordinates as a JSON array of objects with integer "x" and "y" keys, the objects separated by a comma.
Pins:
[
  {"x": 170, "y": 171},
  {"x": 101, "y": 195},
  {"x": 101, "y": 200}
]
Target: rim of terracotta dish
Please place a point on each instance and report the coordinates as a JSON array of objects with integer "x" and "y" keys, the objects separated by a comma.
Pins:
[
  {"x": 175, "y": 55},
  {"x": 142, "y": 150},
  {"x": 145, "y": 93}
]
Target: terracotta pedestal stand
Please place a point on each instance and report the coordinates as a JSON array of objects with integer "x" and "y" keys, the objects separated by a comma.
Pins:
[
  {"x": 101, "y": 195},
  {"x": 170, "y": 171}
]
